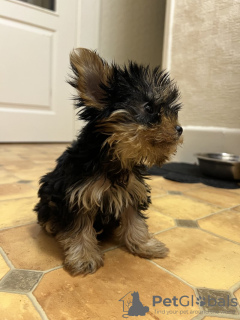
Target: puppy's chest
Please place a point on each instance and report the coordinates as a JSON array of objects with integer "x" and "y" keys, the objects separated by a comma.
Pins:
[{"x": 111, "y": 197}]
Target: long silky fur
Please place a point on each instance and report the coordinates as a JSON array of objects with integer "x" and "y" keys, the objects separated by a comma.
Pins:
[{"x": 101, "y": 176}]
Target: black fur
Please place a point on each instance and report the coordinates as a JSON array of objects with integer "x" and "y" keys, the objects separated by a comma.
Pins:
[{"x": 142, "y": 93}]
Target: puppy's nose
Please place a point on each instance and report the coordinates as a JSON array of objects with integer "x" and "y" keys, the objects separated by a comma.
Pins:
[{"x": 179, "y": 130}]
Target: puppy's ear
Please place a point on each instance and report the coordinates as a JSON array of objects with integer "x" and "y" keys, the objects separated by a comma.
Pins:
[{"x": 91, "y": 75}]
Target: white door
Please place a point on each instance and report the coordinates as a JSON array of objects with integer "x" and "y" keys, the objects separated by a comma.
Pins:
[{"x": 35, "y": 100}]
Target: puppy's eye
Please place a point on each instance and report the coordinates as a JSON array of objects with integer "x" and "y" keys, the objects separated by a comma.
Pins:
[{"x": 148, "y": 108}]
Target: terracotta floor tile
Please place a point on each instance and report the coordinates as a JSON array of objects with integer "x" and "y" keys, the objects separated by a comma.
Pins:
[
  {"x": 153, "y": 177},
  {"x": 19, "y": 148},
  {"x": 7, "y": 158},
  {"x": 15, "y": 191},
  {"x": 35, "y": 185},
  {"x": 31, "y": 174},
  {"x": 31, "y": 248},
  {"x": 45, "y": 165},
  {"x": 17, "y": 212},
  {"x": 168, "y": 185},
  {"x": 7, "y": 177},
  {"x": 4, "y": 268},
  {"x": 18, "y": 166},
  {"x": 236, "y": 209},
  {"x": 16, "y": 306},
  {"x": 155, "y": 193},
  {"x": 45, "y": 152},
  {"x": 156, "y": 189},
  {"x": 97, "y": 296},
  {"x": 226, "y": 224},
  {"x": 217, "y": 196},
  {"x": 236, "y": 190},
  {"x": 30, "y": 149},
  {"x": 158, "y": 222},
  {"x": 181, "y": 207},
  {"x": 201, "y": 259}
]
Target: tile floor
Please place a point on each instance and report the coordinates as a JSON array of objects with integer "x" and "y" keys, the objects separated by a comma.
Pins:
[{"x": 200, "y": 279}]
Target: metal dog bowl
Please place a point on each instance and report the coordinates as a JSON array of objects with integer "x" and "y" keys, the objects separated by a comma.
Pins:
[{"x": 220, "y": 165}]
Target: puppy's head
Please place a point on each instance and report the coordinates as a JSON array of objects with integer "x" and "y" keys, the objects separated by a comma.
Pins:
[{"x": 134, "y": 106}]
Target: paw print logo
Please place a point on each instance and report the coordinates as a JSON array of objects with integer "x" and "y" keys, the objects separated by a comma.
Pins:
[{"x": 201, "y": 301}]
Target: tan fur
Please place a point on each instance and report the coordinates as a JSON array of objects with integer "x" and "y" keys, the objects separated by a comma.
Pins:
[
  {"x": 133, "y": 143},
  {"x": 82, "y": 254},
  {"x": 133, "y": 233},
  {"x": 93, "y": 71},
  {"x": 90, "y": 195},
  {"x": 48, "y": 227}
]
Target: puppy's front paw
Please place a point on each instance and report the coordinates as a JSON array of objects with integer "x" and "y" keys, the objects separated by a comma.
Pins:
[
  {"x": 153, "y": 248},
  {"x": 82, "y": 266}
]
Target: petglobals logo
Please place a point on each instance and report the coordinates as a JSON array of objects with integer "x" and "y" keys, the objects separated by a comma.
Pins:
[
  {"x": 186, "y": 301},
  {"x": 132, "y": 305},
  {"x": 185, "y": 304}
]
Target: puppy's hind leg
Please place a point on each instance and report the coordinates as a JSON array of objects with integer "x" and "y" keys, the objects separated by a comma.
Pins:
[
  {"x": 82, "y": 253},
  {"x": 134, "y": 234}
]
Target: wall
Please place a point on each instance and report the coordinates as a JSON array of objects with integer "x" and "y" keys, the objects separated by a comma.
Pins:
[
  {"x": 121, "y": 30},
  {"x": 205, "y": 61},
  {"x": 132, "y": 29}
]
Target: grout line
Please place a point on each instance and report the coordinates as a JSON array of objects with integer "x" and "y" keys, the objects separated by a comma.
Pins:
[
  {"x": 34, "y": 270},
  {"x": 209, "y": 288},
  {"x": 217, "y": 212},
  {"x": 37, "y": 306},
  {"x": 159, "y": 232},
  {"x": 3, "y": 278},
  {"x": 235, "y": 288},
  {"x": 238, "y": 205},
  {"x": 159, "y": 196},
  {"x": 172, "y": 274},
  {"x": 207, "y": 202},
  {"x": 234, "y": 190},
  {"x": 219, "y": 236},
  {"x": 30, "y": 197},
  {"x": 20, "y": 225},
  {"x": 210, "y": 214},
  {"x": 198, "y": 199},
  {"x": 197, "y": 295},
  {"x": 13, "y": 291},
  {"x": 12, "y": 199},
  {"x": 202, "y": 201},
  {"x": 52, "y": 269},
  {"x": 202, "y": 313},
  {"x": 157, "y": 210},
  {"x": 7, "y": 260}
]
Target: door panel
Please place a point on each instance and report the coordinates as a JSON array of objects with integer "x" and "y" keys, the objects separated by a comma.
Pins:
[{"x": 35, "y": 102}]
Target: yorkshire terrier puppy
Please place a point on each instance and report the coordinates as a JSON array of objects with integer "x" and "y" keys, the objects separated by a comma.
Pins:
[{"x": 98, "y": 184}]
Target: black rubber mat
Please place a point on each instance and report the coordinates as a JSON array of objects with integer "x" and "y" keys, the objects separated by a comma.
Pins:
[{"x": 190, "y": 173}]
